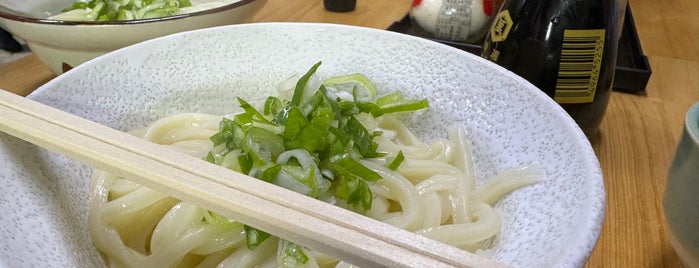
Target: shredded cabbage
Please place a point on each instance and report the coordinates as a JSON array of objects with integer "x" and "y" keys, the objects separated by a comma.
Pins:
[{"x": 116, "y": 10}]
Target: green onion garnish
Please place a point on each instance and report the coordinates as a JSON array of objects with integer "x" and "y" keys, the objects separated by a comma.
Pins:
[{"x": 313, "y": 143}]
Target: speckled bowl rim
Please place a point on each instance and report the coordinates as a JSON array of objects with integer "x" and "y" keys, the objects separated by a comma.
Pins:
[{"x": 22, "y": 18}]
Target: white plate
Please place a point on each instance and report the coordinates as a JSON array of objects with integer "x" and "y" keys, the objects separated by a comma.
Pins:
[{"x": 555, "y": 223}]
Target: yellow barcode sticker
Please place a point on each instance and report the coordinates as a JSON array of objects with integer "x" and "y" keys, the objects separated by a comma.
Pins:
[{"x": 579, "y": 69}]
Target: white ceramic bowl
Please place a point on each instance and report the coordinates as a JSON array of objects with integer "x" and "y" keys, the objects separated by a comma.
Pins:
[
  {"x": 62, "y": 45},
  {"x": 554, "y": 223}
]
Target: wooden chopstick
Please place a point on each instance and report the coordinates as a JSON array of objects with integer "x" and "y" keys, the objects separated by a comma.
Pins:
[{"x": 346, "y": 235}]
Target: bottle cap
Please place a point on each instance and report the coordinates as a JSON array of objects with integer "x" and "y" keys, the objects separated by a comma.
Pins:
[{"x": 340, "y": 5}]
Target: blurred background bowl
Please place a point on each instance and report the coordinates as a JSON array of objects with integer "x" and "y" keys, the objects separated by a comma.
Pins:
[{"x": 62, "y": 45}]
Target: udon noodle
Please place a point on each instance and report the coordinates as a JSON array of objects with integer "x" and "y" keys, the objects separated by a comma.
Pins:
[{"x": 433, "y": 193}]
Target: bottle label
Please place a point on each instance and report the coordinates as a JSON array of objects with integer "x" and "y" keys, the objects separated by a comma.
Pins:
[
  {"x": 499, "y": 30},
  {"x": 454, "y": 20},
  {"x": 579, "y": 69},
  {"x": 501, "y": 26}
]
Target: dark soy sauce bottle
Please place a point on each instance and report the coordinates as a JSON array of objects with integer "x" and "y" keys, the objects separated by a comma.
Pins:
[{"x": 566, "y": 48}]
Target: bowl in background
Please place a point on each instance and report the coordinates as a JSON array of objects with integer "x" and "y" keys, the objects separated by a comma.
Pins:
[
  {"x": 554, "y": 223},
  {"x": 62, "y": 45}
]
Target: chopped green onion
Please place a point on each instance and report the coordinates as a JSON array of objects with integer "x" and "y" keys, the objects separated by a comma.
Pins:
[
  {"x": 214, "y": 218},
  {"x": 301, "y": 85},
  {"x": 269, "y": 174},
  {"x": 371, "y": 108},
  {"x": 360, "y": 86},
  {"x": 273, "y": 106},
  {"x": 210, "y": 158},
  {"x": 294, "y": 255},
  {"x": 348, "y": 166},
  {"x": 362, "y": 138},
  {"x": 406, "y": 106},
  {"x": 356, "y": 192},
  {"x": 353, "y": 177},
  {"x": 252, "y": 113},
  {"x": 329, "y": 129},
  {"x": 389, "y": 99},
  {"x": 262, "y": 145},
  {"x": 348, "y": 108},
  {"x": 254, "y": 237},
  {"x": 313, "y": 135},
  {"x": 305, "y": 176},
  {"x": 295, "y": 122},
  {"x": 395, "y": 163},
  {"x": 230, "y": 133},
  {"x": 245, "y": 162}
]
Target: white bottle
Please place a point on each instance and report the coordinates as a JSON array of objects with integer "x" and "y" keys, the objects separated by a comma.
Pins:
[{"x": 454, "y": 20}]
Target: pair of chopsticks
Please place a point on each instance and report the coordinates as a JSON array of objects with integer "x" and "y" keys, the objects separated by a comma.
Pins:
[{"x": 335, "y": 231}]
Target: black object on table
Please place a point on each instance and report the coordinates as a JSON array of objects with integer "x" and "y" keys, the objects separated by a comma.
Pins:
[
  {"x": 8, "y": 43},
  {"x": 340, "y": 5}
]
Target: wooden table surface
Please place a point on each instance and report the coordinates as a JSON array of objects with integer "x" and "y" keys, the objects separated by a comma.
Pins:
[{"x": 638, "y": 135}]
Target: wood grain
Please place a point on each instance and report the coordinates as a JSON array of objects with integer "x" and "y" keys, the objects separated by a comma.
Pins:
[
  {"x": 638, "y": 135},
  {"x": 24, "y": 75}
]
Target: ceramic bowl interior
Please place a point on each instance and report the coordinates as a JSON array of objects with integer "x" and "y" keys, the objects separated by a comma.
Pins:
[
  {"x": 62, "y": 45},
  {"x": 511, "y": 123}
]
